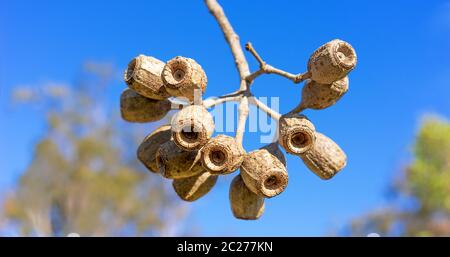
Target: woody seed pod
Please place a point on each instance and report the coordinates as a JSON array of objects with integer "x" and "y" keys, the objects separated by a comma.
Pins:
[
  {"x": 263, "y": 173},
  {"x": 147, "y": 150},
  {"x": 319, "y": 96},
  {"x": 245, "y": 204},
  {"x": 192, "y": 188},
  {"x": 175, "y": 163},
  {"x": 222, "y": 155},
  {"x": 182, "y": 76},
  {"x": 144, "y": 76},
  {"x": 325, "y": 158},
  {"x": 136, "y": 108},
  {"x": 296, "y": 133},
  {"x": 192, "y": 127},
  {"x": 332, "y": 61},
  {"x": 273, "y": 149}
]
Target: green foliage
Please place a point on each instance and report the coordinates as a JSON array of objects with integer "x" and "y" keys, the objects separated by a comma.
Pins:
[
  {"x": 422, "y": 203},
  {"x": 428, "y": 177},
  {"x": 83, "y": 179}
]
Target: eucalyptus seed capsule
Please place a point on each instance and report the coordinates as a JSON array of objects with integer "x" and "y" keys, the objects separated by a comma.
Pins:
[
  {"x": 192, "y": 127},
  {"x": 296, "y": 133},
  {"x": 263, "y": 173},
  {"x": 143, "y": 75},
  {"x": 222, "y": 155},
  {"x": 192, "y": 188},
  {"x": 174, "y": 162},
  {"x": 136, "y": 108},
  {"x": 332, "y": 61},
  {"x": 319, "y": 96},
  {"x": 274, "y": 149},
  {"x": 147, "y": 149},
  {"x": 182, "y": 76},
  {"x": 325, "y": 158},
  {"x": 245, "y": 204}
]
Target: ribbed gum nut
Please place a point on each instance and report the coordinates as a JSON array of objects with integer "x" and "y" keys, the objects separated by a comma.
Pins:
[
  {"x": 143, "y": 75},
  {"x": 182, "y": 76},
  {"x": 263, "y": 173},
  {"x": 222, "y": 155},
  {"x": 245, "y": 204},
  {"x": 296, "y": 133},
  {"x": 173, "y": 162},
  {"x": 192, "y": 127},
  {"x": 325, "y": 158},
  {"x": 320, "y": 96},
  {"x": 275, "y": 150},
  {"x": 136, "y": 108},
  {"x": 332, "y": 61},
  {"x": 192, "y": 188},
  {"x": 147, "y": 149}
]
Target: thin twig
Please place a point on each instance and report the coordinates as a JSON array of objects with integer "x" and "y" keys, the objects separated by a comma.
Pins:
[
  {"x": 299, "y": 108},
  {"x": 233, "y": 40},
  {"x": 241, "y": 62},
  {"x": 210, "y": 102},
  {"x": 249, "y": 47},
  {"x": 265, "y": 68},
  {"x": 243, "y": 114},
  {"x": 262, "y": 106}
]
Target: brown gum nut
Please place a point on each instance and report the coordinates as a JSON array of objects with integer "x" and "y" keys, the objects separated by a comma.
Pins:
[
  {"x": 222, "y": 155},
  {"x": 192, "y": 188},
  {"x": 296, "y": 133},
  {"x": 245, "y": 204},
  {"x": 136, "y": 108},
  {"x": 175, "y": 163},
  {"x": 263, "y": 173},
  {"x": 143, "y": 75},
  {"x": 182, "y": 76},
  {"x": 192, "y": 127},
  {"x": 325, "y": 158},
  {"x": 332, "y": 61},
  {"x": 147, "y": 149},
  {"x": 275, "y": 150},
  {"x": 320, "y": 96}
]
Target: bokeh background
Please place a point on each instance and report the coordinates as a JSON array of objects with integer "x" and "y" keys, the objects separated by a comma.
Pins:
[{"x": 67, "y": 161}]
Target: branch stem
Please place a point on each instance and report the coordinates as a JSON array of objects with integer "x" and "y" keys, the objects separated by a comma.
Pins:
[
  {"x": 243, "y": 114},
  {"x": 233, "y": 40},
  {"x": 239, "y": 58},
  {"x": 210, "y": 102},
  {"x": 299, "y": 108},
  {"x": 265, "y": 68},
  {"x": 263, "y": 107}
]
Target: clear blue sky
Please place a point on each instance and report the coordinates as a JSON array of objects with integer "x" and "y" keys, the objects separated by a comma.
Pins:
[{"x": 403, "y": 72}]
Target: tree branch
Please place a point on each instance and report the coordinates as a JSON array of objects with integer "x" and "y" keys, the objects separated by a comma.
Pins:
[
  {"x": 210, "y": 102},
  {"x": 264, "y": 68},
  {"x": 263, "y": 107},
  {"x": 243, "y": 114},
  {"x": 241, "y": 62},
  {"x": 233, "y": 40},
  {"x": 299, "y": 108}
]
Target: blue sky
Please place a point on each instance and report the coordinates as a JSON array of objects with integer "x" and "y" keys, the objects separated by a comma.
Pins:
[{"x": 403, "y": 72}]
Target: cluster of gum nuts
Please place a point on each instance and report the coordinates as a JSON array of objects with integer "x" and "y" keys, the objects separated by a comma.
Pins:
[{"x": 186, "y": 152}]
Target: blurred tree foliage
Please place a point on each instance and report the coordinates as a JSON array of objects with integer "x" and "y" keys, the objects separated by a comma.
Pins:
[
  {"x": 420, "y": 203},
  {"x": 84, "y": 177}
]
